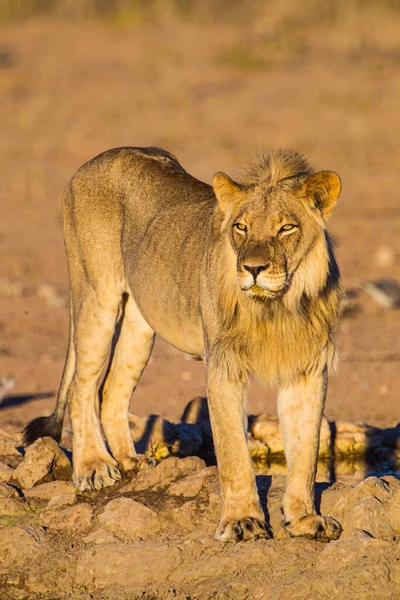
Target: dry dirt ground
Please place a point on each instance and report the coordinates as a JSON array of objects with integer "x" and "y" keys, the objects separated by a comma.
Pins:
[
  {"x": 215, "y": 92},
  {"x": 150, "y": 537}
]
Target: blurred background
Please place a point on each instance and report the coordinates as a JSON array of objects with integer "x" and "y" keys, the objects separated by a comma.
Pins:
[{"x": 215, "y": 82}]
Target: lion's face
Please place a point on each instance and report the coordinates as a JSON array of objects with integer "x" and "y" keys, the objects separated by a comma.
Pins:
[
  {"x": 270, "y": 236},
  {"x": 272, "y": 230}
]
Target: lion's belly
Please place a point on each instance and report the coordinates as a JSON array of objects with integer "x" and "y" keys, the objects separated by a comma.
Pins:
[
  {"x": 173, "y": 315},
  {"x": 185, "y": 337},
  {"x": 181, "y": 332}
]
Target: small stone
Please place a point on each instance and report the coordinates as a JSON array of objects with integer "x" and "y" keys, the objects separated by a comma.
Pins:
[
  {"x": 99, "y": 536},
  {"x": 356, "y": 438},
  {"x": 159, "y": 438},
  {"x": 77, "y": 518},
  {"x": 8, "y": 491},
  {"x": 9, "y": 444},
  {"x": 266, "y": 429},
  {"x": 6, "y": 385},
  {"x": 384, "y": 256},
  {"x": 62, "y": 500},
  {"x": 20, "y": 545},
  {"x": 44, "y": 457},
  {"x": 47, "y": 292},
  {"x": 46, "y": 491},
  {"x": 191, "y": 485},
  {"x": 6, "y": 473},
  {"x": 165, "y": 473},
  {"x": 12, "y": 507},
  {"x": 129, "y": 520}
]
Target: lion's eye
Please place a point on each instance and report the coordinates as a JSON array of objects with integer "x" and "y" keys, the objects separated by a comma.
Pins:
[
  {"x": 287, "y": 227},
  {"x": 240, "y": 227}
]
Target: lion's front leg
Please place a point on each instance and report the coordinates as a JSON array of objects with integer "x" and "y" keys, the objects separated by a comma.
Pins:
[
  {"x": 300, "y": 408},
  {"x": 242, "y": 517}
]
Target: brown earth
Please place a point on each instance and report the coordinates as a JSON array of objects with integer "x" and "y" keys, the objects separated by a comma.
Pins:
[
  {"x": 71, "y": 91},
  {"x": 150, "y": 537},
  {"x": 214, "y": 91}
]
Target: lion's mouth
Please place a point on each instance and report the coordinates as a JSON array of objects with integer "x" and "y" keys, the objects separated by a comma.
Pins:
[{"x": 261, "y": 292}]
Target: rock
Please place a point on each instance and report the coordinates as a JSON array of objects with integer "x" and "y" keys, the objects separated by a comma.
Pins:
[
  {"x": 385, "y": 293},
  {"x": 19, "y": 545},
  {"x": 12, "y": 507},
  {"x": 78, "y": 518},
  {"x": 47, "y": 292},
  {"x": 6, "y": 385},
  {"x": 356, "y": 439},
  {"x": 129, "y": 520},
  {"x": 266, "y": 429},
  {"x": 159, "y": 438},
  {"x": 165, "y": 473},
  {"x": 62, "y": 500},
  {"x": 191, "y": 485},
  {"x": 196, "y": 413},
  {"x": 136, "y": 565},
  {"x": 346, "y": 551},
  {"x": 9, "y": 444},
  {"x": 6, "y": 473},
  {"x": 44, "y": 457},
  {"x": 384, "y": 256},
  {"x": 46, "y": 491},
  {"x": 371, "y": 506},
  {"x": 258, "y": 450},
  {"x": 99, "y": 536},
  {"x": 8, "y": 491}
]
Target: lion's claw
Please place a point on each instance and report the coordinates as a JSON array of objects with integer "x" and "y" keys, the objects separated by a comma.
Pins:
[
  {"x": 249, "y": 528},
  {"x": 315, "y": 527}
]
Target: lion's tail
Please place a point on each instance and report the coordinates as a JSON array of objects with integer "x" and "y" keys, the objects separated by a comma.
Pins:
[
  {"x": 52, "y": 426},
  {"x": 45, "y": 427}
]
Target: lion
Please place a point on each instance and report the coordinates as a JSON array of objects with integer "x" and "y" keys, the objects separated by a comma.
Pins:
[{"x": 241, "y": 274}]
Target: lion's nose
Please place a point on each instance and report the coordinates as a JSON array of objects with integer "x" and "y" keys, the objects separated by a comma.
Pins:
[{"x": 255, "y": 270}]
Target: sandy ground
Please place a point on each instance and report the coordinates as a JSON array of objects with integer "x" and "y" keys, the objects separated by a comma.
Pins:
[{"x": 71, "y": 91}]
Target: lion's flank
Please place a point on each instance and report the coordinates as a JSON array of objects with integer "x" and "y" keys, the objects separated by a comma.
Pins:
[{"x": 277, "y": 166}]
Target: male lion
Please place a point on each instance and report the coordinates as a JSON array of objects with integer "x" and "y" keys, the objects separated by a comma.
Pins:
[{"x": 241, "y": 274}]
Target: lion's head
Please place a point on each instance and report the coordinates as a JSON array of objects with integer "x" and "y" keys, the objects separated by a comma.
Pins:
[{"x": 274, "y": 218}]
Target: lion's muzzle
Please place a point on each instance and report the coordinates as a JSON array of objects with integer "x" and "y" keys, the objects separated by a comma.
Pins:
[{"x": 258, "y": 279}]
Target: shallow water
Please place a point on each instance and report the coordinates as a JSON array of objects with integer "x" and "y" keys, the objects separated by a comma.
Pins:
[{"x": 351, "y": 469}]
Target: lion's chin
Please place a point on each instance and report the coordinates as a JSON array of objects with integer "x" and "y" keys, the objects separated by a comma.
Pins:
[{"x": 260, "y": 293}]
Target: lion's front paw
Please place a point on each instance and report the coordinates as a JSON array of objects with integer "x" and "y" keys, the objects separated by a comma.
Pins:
[
  {"x": 315, "y": 527},
  {"x": 96, "y": 475},
  {"x": 245, "y": 529}
]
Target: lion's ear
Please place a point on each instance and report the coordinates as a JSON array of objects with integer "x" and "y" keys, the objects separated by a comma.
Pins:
[
  {"x": 323, "y": 189},
  {"x": 228, "y": 192}
]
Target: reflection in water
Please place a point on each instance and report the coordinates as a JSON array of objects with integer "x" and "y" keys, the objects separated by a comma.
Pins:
[{"x": 350, "y": 469}]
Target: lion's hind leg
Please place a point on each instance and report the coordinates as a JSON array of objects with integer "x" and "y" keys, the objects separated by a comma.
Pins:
[
  {"x": 129, "y": 357},
  {"x": 95, "y": 315}
]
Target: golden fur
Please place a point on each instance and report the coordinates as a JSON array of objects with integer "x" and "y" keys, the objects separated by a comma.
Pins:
[{"x": 242, "y": 274}]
